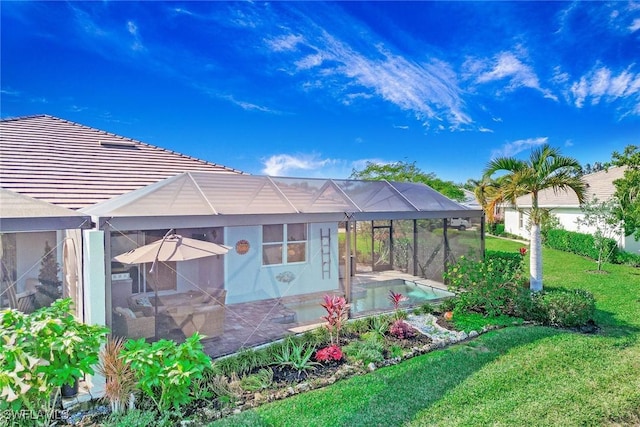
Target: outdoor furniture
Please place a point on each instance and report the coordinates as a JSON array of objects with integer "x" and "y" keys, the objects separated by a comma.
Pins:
[
  {"x": 208, "y": 320},
  {"x": 127, "y": 323},
  {"x": 201, "y": 311},
  {"x": 22, "y": 301}
]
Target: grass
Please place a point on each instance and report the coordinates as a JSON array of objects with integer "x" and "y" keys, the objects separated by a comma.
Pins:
[{"x": 513, "y": 376}]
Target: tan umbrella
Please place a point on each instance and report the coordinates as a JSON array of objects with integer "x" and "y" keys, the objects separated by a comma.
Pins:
[{"x": 172, "y": 248}]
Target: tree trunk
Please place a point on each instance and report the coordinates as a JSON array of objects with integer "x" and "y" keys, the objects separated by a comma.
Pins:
[{"x": 535, "y": 265}]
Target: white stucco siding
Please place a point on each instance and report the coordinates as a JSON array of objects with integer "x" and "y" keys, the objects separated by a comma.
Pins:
[
  {"x": 568, "y": 218},
  {"x": 512, "y": 223},
  {"x": 246, "y": 279}
]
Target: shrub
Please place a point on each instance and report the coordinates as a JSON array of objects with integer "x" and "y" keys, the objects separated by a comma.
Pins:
[
  {"x": 627, "y": 258},
  {"x": 329, "y": 354},
  {"x": 579, "y": 243},
  {"x": 368, "y": 351},
  {"x": 499, "y": 229},
  {"x": 402, "y": 330},
  {"x": 490, "y": 286},
  {"x": 120, "y": 380},
  {"x": 165, "y": 370},
  {"x": 41, "y": 351},
  {"x": 337, "y": 314},
  {"x": 567, "y": 308}
]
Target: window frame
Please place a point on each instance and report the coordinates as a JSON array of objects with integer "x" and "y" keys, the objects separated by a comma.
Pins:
[{"x": 287, "y": 241}]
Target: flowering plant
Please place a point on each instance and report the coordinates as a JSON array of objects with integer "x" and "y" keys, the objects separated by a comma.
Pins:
[
  {"x": 523, "y": 251},
  {"x": 396, "y": 298},
  {"x": 401, "y": 329},
  {"x": 329, "y": 353},
  {"x": 337, "y": 313}
]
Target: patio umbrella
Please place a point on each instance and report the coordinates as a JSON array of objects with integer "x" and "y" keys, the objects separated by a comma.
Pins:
[{"x": 172, "y": 247}]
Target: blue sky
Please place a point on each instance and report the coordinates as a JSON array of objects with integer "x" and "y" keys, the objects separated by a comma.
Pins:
[{"x": 316, "y": 89}]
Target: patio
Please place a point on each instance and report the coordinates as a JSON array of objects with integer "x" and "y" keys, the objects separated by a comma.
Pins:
[{"x": 255, "y": 323}]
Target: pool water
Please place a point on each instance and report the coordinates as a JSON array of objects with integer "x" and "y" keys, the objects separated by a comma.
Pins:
[
  {"x": 372, "y": 297},
  {"x": 376, "y": 296}
]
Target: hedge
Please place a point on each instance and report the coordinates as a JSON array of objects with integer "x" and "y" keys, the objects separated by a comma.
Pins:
[{"x": 578, "y": 243}]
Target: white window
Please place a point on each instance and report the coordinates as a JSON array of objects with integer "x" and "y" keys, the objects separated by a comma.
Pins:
[
  {"x": 284, "y": 243},
  {"x": 520, "y": 220}
]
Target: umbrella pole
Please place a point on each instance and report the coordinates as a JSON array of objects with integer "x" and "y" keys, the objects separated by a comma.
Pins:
[{"x": 154, "y": 272}]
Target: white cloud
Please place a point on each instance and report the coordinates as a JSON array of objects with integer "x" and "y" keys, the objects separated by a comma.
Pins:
[
  {"x": 635, "y": 25},
  {"x": 284, "y": 43},
  {"x": 132, "y": 28},
  {"x": 429, "y": 90},
  {"x": 505, "y": 66},
  {"x": 310, "y": 165},
  {"x": 248, "y": 106},
  {"x": 485, "y": 130},
  {"x": 512, "y": 148},
  {"x": 602, "y": 85},
  {"x": 403, "y": 127}
]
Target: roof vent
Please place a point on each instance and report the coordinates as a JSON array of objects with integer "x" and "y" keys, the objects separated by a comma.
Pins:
[{"x": 118, "y": 143}]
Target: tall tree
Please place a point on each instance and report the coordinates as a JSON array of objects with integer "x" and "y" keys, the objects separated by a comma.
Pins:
[
  {"x": 408, "y": 172},
  {"x": 545, "y": 169},
  {"x": 628, "y": 189},
  {"x": 487, "y": 192}
]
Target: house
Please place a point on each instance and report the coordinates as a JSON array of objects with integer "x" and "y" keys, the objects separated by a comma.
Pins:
[
  {"x": 291, "y": 240},
  {"x": 564, "y": 205}
]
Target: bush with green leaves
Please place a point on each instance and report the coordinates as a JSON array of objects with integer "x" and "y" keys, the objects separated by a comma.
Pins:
[
  {"x": 627, "y": 258},
  {"x": 370, "y": 350},
  {"x": 41, "y": 351},
  {"x": 490, "y": 286},
  {"x": 165, "y": 370},
  {"x": 567, "y": 308},
  {"x": 579, "y": 243}
]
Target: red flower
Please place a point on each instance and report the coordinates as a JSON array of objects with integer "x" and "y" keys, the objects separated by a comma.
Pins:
[
  {"x": 326, "y": 354},
  {"x": 523, "y": 251}
]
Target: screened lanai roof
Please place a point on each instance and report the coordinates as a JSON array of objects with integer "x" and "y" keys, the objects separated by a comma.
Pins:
[
  {"x": 23, "y": 213},
  {"x": 211, "y": 194}
]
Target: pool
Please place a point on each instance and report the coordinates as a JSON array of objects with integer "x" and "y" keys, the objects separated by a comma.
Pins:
[
  {"x": 375, "y": 296},
  {"x": 372, "y": 297}
]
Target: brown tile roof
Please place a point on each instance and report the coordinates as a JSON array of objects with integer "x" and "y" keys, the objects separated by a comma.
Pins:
[
  {"x": 75, "y": 166},
  {"x": 599, "y": 185}
]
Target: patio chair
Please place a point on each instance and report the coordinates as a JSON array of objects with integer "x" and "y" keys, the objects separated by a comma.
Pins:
[
  {"x": 22, "y": 301},
  {"x": 127, "y": 323}
]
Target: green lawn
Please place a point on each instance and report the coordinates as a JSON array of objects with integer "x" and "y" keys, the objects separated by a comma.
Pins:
[{"x": 524, "y": 376}]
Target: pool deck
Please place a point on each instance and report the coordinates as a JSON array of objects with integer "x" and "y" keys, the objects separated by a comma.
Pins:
[{"x": 254, "y": 323}]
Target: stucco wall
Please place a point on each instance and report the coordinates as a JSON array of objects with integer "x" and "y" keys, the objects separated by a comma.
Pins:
[
  {"x": 246, "y": 279},
  {"x": 568, "y": 219}
]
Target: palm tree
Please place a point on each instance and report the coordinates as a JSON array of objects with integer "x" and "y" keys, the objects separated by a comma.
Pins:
[
  {"x": 546, "y": 169},
  {"x": 487, "y": 193}
]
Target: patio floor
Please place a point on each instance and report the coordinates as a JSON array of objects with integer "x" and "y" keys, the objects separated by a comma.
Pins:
[{"x": 255, "y": 323}]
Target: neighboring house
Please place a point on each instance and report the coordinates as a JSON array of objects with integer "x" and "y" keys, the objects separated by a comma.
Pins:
[
  {"x": 292, "y": 239},
  {"x": 564, "y": 205}
]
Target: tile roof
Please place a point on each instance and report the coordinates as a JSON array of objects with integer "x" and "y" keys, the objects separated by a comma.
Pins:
[
  {"x": 599, "y": 185},
  {"x": 75, "y": 166}
]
